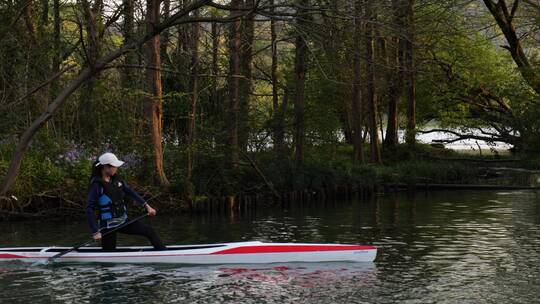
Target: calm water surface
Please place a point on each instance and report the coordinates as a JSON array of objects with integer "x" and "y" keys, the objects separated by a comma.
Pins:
[{"x": 441, "y": 247}]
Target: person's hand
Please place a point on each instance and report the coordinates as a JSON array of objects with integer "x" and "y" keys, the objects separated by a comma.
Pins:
[
  {"x": 97, "y": 236},
  {"x": 151, "y": 211}
]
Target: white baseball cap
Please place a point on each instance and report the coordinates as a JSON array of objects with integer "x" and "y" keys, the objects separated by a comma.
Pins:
[{"x": 109, "y": 159}]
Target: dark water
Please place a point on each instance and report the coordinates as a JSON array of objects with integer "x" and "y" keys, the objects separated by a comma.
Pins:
[{"x": 444, "y": 247}]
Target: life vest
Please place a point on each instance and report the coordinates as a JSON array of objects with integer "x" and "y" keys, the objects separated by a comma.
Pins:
[{"x": 111, "y": 201}]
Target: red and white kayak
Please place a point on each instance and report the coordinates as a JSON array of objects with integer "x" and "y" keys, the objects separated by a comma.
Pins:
[{"x": 227, "y": 253}]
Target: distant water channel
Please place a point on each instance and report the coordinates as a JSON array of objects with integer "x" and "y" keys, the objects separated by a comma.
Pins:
[{"x": 440, "y": 247}]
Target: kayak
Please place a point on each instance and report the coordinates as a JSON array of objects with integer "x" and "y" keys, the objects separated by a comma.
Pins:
[{"x": 253, "y": 252}]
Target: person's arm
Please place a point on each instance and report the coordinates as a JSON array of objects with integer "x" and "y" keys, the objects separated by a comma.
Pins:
[
  {"x": 136, "y": 197},
  {"x": 91, "y": 201}
]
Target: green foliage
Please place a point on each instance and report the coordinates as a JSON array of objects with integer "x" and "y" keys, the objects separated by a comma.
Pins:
[
  {"x": 454, "y": 63},
  {"x": 459, "y": 66},
  {"x": 46, "y": 173},
  {"x": 469, "y": 82}
]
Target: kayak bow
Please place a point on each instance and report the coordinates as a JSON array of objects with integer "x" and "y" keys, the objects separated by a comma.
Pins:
[{"x": 254, "y": 252}]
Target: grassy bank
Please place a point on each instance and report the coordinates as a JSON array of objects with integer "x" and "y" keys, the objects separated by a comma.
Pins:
[{"x": 55, "y": 175}]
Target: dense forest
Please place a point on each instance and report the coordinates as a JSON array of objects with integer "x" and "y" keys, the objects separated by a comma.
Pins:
[{"x": 221, "y": 99}]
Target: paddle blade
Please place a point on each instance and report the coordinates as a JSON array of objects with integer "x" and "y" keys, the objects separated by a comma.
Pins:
[{"x": 43, "y": 262}]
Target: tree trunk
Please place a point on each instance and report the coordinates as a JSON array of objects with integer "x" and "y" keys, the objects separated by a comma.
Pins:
[
  {"x": 93, "y": 22},
  {"x": 370, "y": 84},
  {"x": 42, "y": 59},
  {"x": 217, "y": 107},
  {"x": 504, "y": 19},
  {"x": 194, "y": 87},
  {"x": 234, "y": 83},
  {"x": 410, "y": 135},
  {"x": 281, "y": 120},
  {"x": 357, "y": 117},
  {"x": 246, "y": 61},
  {"x": 234, "y": 91},
  {"x": 278, "y": 134},
  {"x": 395, "y": 78},
  {"x": 300, "y": 68},
  {"x": 56, "y": 43},
  {"x": 57, "y": 56},
  {"x": 128, "y": 77},
  {"x": 153, "y": 107}
]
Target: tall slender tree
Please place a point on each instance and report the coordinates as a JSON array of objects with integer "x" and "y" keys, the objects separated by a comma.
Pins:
[
  {"x": 93, "y": 22},
  {"x": 370, "y": 83},
  {"x": 247, "y": 28},
  {"x": 234, "y": 81},
  {"x": 394, "y": 75},
  {"x": 128, "y": 30},
  {"x": 300, "y": 69},
  {"x": 216, "y": 106},
  {"x": 153, "y": 104},
  {"x": 276, "y": 112},
  {"x": 410, "y": 80},
  {"x": 194, "y": 88},
  {"x": 235, "y": 40},
  {"x": 357, "y": 117}
]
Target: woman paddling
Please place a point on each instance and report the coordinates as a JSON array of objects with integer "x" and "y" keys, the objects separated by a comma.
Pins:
[{"x": 106, "y": 194}]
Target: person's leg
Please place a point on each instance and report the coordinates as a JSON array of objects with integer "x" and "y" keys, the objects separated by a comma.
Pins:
[
  {"x": 139, "y": 228},
  {"x": 108, "y": 242}
]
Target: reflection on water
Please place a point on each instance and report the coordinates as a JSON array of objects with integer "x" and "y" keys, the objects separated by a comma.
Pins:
[
  {"x": 441, "y": 247},
  {"x": 173, "y": 283}
]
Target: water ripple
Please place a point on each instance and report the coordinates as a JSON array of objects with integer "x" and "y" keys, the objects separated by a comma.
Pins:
[{"x": 444, "y": 247}]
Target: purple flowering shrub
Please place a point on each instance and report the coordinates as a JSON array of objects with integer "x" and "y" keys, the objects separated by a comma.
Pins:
[{"x": 61, "y": 166}]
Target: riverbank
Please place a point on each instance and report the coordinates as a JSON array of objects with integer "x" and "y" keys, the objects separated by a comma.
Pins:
[{"x": 48, "y": 185}]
